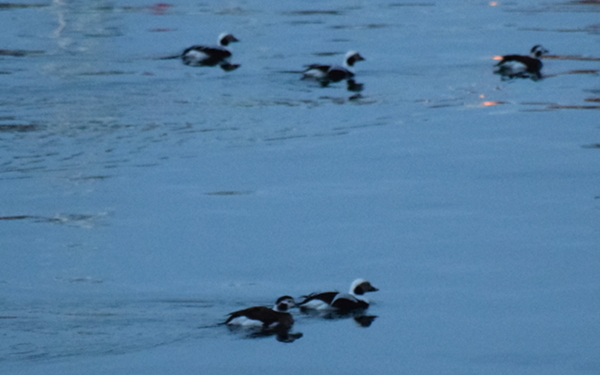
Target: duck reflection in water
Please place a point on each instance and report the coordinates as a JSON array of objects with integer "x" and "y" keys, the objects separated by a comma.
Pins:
[
  {"x": 281, "y": 333},
  {"x": 352, "y": 85},
  {"x": 262, "y": 321},
  {"x": 358, "y": 316}
]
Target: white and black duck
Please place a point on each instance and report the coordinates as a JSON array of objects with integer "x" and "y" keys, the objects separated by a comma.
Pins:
[
  {"x": 521, "y": 66},
  {"x": 353, "y": 300},
  {"x": 265, "y": 317},
  {"x": 200, "y": 55},
  {"x": 325, "y": 74}
]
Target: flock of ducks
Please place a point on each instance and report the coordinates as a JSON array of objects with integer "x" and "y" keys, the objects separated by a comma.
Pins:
[
  {"x": 510, "y": 66},
  {"x": 278, "y": 319}
]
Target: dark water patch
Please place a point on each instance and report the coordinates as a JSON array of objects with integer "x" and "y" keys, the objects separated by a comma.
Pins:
[
  {"x": 190, "y": 129},
  {"x": 286, "y": 137},
  {"x": 571, "y": 57},
  {"x": 357, "y": 99},
  {"x": 162, "y": 29},
  {"x": 578, "y": 71},
  {"x": 90, "y": 178},
  {"x": 229, "y": 193},
  {"x": 342, "y": 130},
  {"x": 18, "y": 128},
  {"x": 313, "y": 12},
  {"x": 72, "y": 156},
  {"x": 585, "y": 2},
  {"x": 146, "y": 165},
  {"x": 444, "y": 105},
  {"x": 411, "y": 5},
  {"x": 9, "y": 6},
  {"x": 17, "y": 217},
  {"x": 18, "y": 52},
  {"x": 556, "y": 106},
  {"x": 306, "y": 22},
  {"x": 331, "y": 134},
  {"x": 327, "y": 53},
  {"x": 106, "y": 73},
  {"x": 233, "y": 11},
  {"x": 564, "y": 106},
  {"x": 591, "y": 29},
  {"x": 367, "y": 26},
  {"x": 593, "y": 145},
  {"x": 79, "y": 220},
  {"x": 80, "y": 280}
]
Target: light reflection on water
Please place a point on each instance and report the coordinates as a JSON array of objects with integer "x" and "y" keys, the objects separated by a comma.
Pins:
[{"x": 88, "y": 107}]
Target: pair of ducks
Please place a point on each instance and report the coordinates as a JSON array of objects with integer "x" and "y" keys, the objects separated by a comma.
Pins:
[
  {"x": 199, "y": 55},
  {"x": 278, "y": 316},
  {"x": 510, "y": 66}
]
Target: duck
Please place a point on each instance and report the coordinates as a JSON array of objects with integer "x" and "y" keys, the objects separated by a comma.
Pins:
[
  {"x": 198, "y": 55},
  {"x": 263, "y": 316},
  {"x": 325, "y": 74},
  {"x": 521, "y": 66},
  {"x": 353, "y": 300}
]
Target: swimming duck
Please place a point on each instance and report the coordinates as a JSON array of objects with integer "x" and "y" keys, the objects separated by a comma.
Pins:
[
  {"x": 199, "y": 55},
  {"x": 326, "y": 74},
  {"x": 353, "y": 300},
  {"x": 521, "y": 66},
  {"x": 265, "y": 317}
]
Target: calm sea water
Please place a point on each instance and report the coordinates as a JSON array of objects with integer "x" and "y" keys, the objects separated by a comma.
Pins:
[{"x": 143, "y": 200}]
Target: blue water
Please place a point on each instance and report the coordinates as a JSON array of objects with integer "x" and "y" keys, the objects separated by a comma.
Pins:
[{"x": 143, "y": 200}]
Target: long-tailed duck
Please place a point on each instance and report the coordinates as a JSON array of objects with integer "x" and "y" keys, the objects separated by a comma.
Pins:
[
  {"x": 198, "y": 55},
  {"x": 520, "y": 66},
  {"x": 265, "y": 317},
  {"x": 325, "y": 74},
  {"x": 354, "y": 300}
]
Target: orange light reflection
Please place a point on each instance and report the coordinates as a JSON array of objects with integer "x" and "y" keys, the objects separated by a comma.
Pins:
[{"x": 490, "y": 103}]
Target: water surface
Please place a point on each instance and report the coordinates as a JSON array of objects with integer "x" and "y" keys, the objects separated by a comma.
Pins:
[{"x": 143, "y": 200}]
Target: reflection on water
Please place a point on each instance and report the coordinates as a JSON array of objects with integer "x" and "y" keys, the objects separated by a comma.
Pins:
[
  {"x": 281, "y": 334},
  {"x": 359, "y": 316},
  {"x": 18, "y": 52},
  {"x": 8, "y": 6},
  {"x": 78, "y": 220}
]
